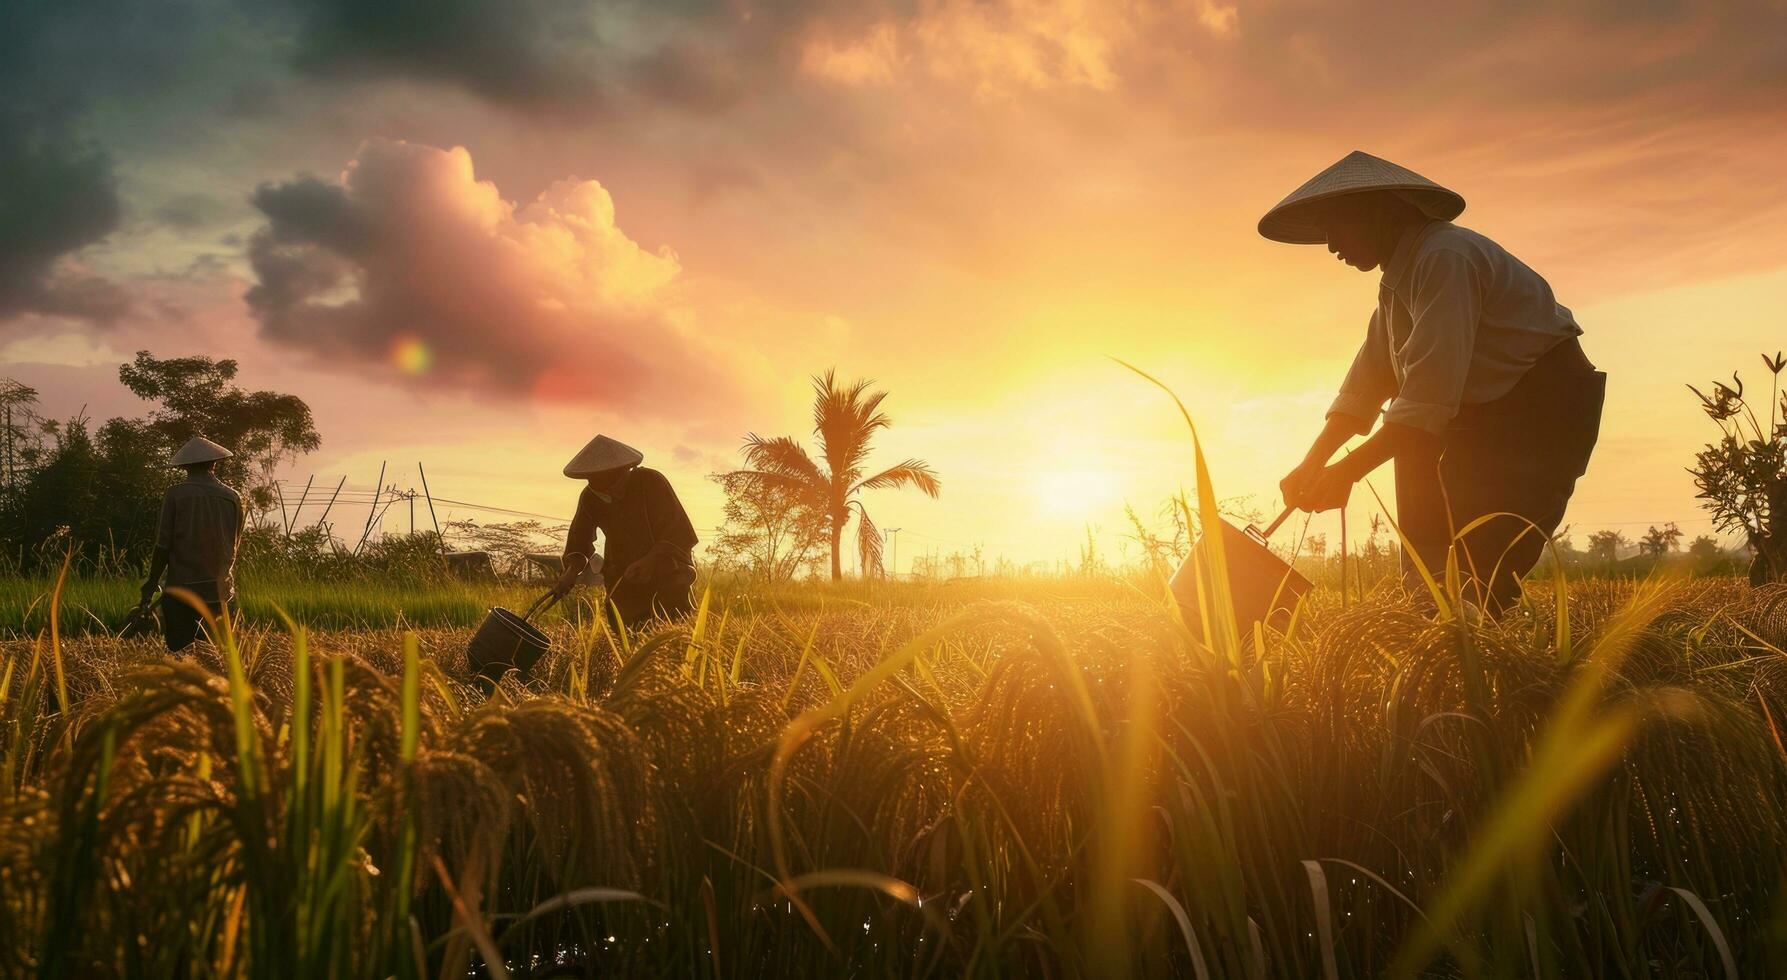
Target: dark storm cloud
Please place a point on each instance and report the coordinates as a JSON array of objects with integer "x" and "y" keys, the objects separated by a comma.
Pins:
[
  {"x": 55, "y": 198},
  {"x": 564, "y": 56},
  {"x": 57, "y": 193},
  {"x": 521, "y": 51},
  {"x": 310, "y": 211}
]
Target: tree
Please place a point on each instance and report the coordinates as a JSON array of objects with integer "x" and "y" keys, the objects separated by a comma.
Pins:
[
  {"x": 845, "y": 418},
  {"x": 22, "y": 434},
  {"x": 1743, "y": 476},
  {"x": 1605, "y": 545},
  {"x": 197, "y": 397},
  {"x": 1705, "y": 547},
  {"x": 769, "y": 529},
  {"x": 1659, "y": 541},
  {"x": 505, "y": 541},
  {"x": 102, "y": 490},
  {"x": 1562, "y": 550}
]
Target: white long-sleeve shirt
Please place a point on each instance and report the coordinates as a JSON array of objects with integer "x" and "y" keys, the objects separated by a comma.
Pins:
[{"x": 1458, "y": 322}]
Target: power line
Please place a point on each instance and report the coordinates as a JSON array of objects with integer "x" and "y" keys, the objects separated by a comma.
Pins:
[
  {"x": 355, "y": 495},
  {"x": 502, "y": 510}
]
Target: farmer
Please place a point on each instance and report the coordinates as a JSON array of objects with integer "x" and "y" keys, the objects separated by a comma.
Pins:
[
  {"x": 648, "y": 542},
  {"x": 195, "y": 543},
  {"x": 1493, "y": 408}
]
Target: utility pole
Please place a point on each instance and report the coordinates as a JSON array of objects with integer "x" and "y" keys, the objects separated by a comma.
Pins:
[{"x": 893, "y": 548}]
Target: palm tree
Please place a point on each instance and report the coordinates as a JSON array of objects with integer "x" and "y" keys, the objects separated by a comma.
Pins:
[
  {"x": 1605, "y": 545},
  {"x": 845, "y": 419}
]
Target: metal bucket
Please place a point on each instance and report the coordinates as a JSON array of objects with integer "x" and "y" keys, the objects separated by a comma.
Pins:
[
  {"x": 141, "y": 622},
  {"x": 1263, "y": 587},
  {"x": 508, "y": 642}
]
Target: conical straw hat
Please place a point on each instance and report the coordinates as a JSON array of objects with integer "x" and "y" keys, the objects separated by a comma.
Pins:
[
  {"x": 199, "y": 449},
  {"x": 1358, "y": 171},
  {"x": 601, "y": 455}
]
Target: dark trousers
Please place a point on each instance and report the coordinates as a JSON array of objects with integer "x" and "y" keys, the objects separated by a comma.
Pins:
[
  {"x": 181, "y": 624},
  {"x": 665, "y": 597},
  {"x": 1517, "y": 457}
]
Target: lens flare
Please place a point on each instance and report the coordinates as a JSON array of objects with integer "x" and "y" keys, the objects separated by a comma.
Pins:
[{"x": 411, "y": 354}]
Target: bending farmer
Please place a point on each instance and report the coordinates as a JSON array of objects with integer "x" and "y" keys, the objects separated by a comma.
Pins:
[
  {"x": 1493, "y": 407},
  {"x": 195, "y": 543},
  {"x": 648, "y": 542}
]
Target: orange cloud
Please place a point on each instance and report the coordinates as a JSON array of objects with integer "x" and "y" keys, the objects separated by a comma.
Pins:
[
  {"x": 411, "y": 268},
  {"x": 993, "y": 48}
]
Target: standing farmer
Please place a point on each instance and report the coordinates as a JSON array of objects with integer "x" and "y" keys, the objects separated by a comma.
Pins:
[
  {"x": 195, "y": 542},
  {"x": 1493, "y": 408},
  {"x": 648, "y": 542}
]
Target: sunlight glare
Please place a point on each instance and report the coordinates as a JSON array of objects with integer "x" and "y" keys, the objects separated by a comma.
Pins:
[{"x": 1079, "y": 493}]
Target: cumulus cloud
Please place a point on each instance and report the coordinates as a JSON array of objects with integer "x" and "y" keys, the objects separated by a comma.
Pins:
[{"x": 409, "y": 266}]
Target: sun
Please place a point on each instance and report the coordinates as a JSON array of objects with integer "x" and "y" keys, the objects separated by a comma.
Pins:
[{"x": 1079, "y": 493}]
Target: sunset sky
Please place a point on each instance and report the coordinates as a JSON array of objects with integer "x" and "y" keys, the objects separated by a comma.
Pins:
[{"x": 476, "y": 234}]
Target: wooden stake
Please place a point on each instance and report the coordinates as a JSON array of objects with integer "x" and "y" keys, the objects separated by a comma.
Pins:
[
  {"x": 438, "y": 537},
  {"x": 372, "y": 511},
  {"x": 331, "y": 502},
  {"x": 301, "y": 498}
]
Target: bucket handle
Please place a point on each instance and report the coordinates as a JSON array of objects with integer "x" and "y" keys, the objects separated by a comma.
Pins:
[
  {"x": 1259, "y": 537},
  {"x": 547, "y": 600}
]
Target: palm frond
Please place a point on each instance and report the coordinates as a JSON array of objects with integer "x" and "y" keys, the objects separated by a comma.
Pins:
[
  {"x": 845, "y": 419},
  {"x": 868, "y": 542},
  {"x": 801, "y": 490},
  {"x": 781, "y": 455},
  {"x": 824, "y": 393},
  {"x": 914, "y": 472},
  {"x": 784, "y": 463}
]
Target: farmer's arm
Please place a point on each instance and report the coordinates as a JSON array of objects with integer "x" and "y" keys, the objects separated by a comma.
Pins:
[
  {"x": 158, "y": 560},
  {"x": 673, "y": 534},
  {"x": 1448, "y": 302},
  {"x": 158, "y": 565},
  {"x": 1392, "y": 439},
  {"x": 580, "y": 543},
  {"x": 1368, "y": 382}
]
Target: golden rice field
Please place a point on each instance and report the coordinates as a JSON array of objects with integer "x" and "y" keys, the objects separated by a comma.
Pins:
[{"x": 993, "y": 780}]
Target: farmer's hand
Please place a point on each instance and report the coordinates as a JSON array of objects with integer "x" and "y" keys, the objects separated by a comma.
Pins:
[
  {"x": 1297, "y": 484},
  {"x": 639, "y": 571},
  {"x": 567, "y": 579},
  {"x": 1333, "y": 485}
]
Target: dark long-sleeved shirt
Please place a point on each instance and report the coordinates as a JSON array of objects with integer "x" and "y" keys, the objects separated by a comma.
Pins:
[
  {"x": 201, "y": 525},
  {"x": 643, "y": 513}
]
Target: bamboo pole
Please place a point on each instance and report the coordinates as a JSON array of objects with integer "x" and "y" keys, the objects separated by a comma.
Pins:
[
  {"x": 298, "y": 509},
  {"x": 438, "y": 536},
  {"x": 331, "y": 502},
  {"x": 372, "y": 510},
  {"x": 380, "y": 516}
]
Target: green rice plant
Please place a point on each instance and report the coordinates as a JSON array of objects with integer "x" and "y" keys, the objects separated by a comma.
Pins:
[{"x": 986, "y": 779}]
